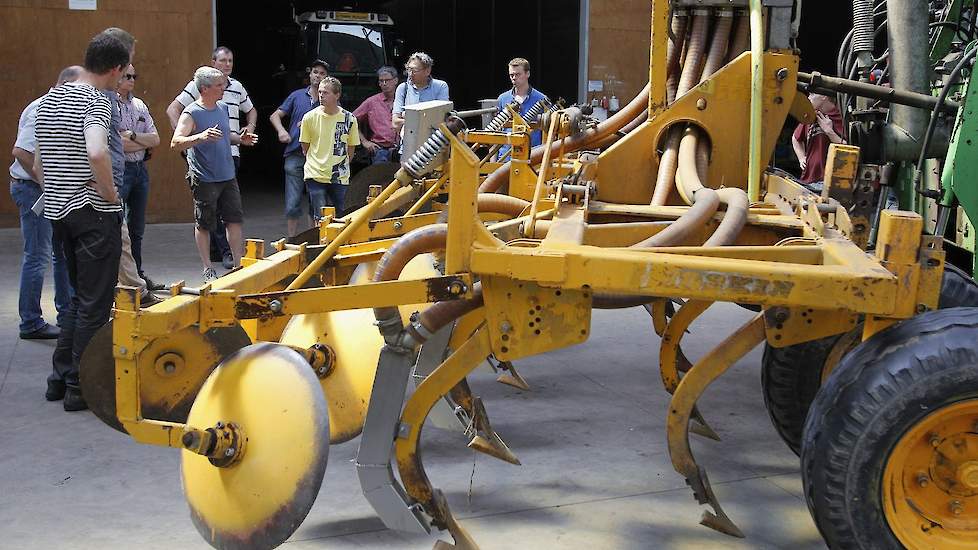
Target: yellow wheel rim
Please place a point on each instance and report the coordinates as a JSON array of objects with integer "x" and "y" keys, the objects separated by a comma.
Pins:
[{"x": 930, "y": 483}]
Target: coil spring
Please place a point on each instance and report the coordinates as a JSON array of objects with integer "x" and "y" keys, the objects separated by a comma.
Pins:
[
  {"x": 862, "y": 15},
  {"x": 500, "y": 120},
  {"x": 537, "y": 110},
  {"x": 423, "y": 160}
]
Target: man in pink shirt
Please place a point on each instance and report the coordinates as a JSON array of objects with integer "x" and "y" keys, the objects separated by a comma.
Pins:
[{"x": 374, "y": 117}]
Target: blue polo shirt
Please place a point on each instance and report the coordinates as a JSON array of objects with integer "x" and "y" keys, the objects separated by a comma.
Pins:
[
  {"x": 505, "y": 98},
  {"x": 408, "y": 94},
  {"x": 295, "y": 107}
]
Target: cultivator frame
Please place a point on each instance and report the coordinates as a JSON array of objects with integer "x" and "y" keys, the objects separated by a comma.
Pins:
[{"x": 533, "y": 280}]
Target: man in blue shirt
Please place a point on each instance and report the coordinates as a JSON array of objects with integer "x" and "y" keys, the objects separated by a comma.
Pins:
[
  {"x": 523, "y": 94},
  {"x": 295, "y": 107},
  {"x": 418, "y": 88}
]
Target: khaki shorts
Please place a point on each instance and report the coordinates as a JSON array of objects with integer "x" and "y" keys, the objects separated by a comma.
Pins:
[{"x": 213, "y": 197}]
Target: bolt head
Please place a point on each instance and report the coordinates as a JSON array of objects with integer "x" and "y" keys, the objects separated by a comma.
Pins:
[
  {"x": 922, "y": 480},
  {"x": 935, "y": 441},
  {"x": 123, "y": 350},
  {"x": 398, "y": 226},
  {"x": 782, "y": 74},
  {"x": 956, "y": 507},
  {"x": 701, "y": 104},
  {"x": 505, "y": 327},
  {"x": 229, "y": 453},
  {"x": 275, "y": 306}
]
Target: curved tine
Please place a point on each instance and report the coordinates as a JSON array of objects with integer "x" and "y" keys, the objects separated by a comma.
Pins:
[
  {"x": 696, "y": 381},
  {"x": 672, "y": 337},
  {"x": 453, "y": 370},
  {"x": 657, "y": 310}
]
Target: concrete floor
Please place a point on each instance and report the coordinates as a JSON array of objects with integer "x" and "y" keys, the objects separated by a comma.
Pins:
[{"x": 596, "y": 472}]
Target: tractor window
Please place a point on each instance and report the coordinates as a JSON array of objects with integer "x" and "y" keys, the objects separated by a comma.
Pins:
[{"x": 351, "y": 48}]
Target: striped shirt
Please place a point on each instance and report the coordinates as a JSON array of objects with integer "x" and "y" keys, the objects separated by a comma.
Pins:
[
  {"x": 236, "y": 98},
  {"x": 135, "y": 116},
  {"x": 62, "y": 117}
]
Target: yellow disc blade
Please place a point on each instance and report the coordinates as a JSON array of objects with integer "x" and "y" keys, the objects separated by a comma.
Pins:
[{"x": 271, "y": 394}]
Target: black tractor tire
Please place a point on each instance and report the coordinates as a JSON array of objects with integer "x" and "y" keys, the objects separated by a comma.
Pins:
[
  {"x": 879, "y": 392},
  {"x": 792, "y": 375}
]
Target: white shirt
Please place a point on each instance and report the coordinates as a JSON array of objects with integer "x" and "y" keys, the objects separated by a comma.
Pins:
[
  {"x": 26, "y": 139},
  {"x": 236, "y": 98}
]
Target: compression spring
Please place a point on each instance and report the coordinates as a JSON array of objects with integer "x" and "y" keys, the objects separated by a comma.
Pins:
[
  {"x": 423, "y": 160},
  {"x": 535, "y": 111},
  {"x": 500, "y": 120}
]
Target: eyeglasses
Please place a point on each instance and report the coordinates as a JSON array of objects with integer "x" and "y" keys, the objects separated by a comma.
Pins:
[
  {"x": 130, "y": 76},
  {"x": 411, "y": 70}
]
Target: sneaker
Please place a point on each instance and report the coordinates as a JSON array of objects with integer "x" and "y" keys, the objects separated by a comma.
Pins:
[
  {"x": 149, "y": 299},
  {"x": 153, "y": 285},
  {"x": 209, "y": 275},
  {"x": 74, "y": 400},
  {"x": 46, "y": 332},
  {"x": 228, "y": 261},
  {"x": 55, "y": 391}
]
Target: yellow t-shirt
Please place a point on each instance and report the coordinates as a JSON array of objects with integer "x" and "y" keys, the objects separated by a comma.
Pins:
[{"x": 328, "y": 137}]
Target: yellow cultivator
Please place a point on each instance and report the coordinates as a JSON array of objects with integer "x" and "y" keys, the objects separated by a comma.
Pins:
[{"x": 664, "y": 204}]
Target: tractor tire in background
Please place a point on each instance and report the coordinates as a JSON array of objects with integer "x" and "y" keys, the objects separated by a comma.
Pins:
[
  {"x": 890, "y": 447},
  {"x": 792, "y": 375},
  {"x": 375, "y": 174}
]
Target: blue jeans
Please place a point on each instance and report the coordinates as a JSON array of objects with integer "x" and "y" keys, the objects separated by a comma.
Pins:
[
  {"x": 39, "y": 249},
  {"x": 318, "y": 194},
  {"x": 383, "y": 155},
  {"x": 135, "y": 195},
  {"x": 294, "y": 186}
]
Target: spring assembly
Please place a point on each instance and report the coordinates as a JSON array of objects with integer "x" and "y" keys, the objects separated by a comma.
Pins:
[
  {"x": 423, "y": 160},
  {"x": 535, "y": 111},
  {"x": 500, "y": 120}
]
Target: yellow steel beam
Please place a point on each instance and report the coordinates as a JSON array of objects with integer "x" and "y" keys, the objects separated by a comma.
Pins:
[
  {"x": 360, "y": 296},
  {"x": 862, "y": 285}
]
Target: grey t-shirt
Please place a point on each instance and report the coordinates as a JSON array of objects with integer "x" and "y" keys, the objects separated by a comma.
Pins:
[{"x": 211, "y": 161}]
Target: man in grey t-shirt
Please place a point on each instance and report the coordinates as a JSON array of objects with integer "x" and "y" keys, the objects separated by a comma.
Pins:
[{"x": 204, "y": 129}]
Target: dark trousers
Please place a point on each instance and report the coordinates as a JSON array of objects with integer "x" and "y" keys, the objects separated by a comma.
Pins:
[
  {"x": 92, "y": 243},
  {"x": 220, "y": 247},
  {"x": 135, "y": 195}
]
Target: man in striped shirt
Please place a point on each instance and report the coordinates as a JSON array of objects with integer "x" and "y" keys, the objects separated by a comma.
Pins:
[
  {"x": 237, "y": 100},
  {"x": 80, "y": 199}
]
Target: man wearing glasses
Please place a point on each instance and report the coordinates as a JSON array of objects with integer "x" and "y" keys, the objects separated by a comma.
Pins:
[
  {"x": 418, "y": 88},
  {"x": 138, "y": 134},
  {"x": 374, "y": 115}
]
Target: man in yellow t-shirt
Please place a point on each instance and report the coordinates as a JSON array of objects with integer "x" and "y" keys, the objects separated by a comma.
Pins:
[{"x": 328, "y": 136}]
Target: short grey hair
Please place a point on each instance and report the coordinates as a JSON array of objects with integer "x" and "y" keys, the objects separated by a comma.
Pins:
[
  {"x": 69, "y": 74},
  {"x": 422, "y": 58},
  {"x": 388, "y": 70},
  {"x": 221, "y": 49},
  {"x": 206, "y": 76}
]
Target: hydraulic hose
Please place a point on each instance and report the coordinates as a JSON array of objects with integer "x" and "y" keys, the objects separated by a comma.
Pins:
[
  {"x": 741, "y": 38},
  {"x": 691, "y": 72},
  {"x": 500, "y": 177},
  {"x": 675, "y": 50},
  {"x": 419, "y": 241},
  {"x": 718, "y": 47}
]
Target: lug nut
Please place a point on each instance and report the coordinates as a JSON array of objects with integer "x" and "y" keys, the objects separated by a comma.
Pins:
[
  {"x": 935, "y": 441},
  {"x": 229, "y": 453},
  {"x": 956, "y": 507},
  {"x": 922, "y": 480}
]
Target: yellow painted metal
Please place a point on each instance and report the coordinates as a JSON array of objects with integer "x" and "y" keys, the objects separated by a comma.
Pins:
[
  {"x": 897, "y": 248},
  {"x": 658, "y": 44},
  {"x": 526, "y": 319},
  {"x": 271, "y": 395},
  {"x": 860, "y": 284},
  {"x": 362, "y": 216},
  {"x": 626, "y": 170},
  {"x": 672, "y": 337},
  {"x": 790, "y": 326},
  {"x": 930, "y": 481},
  {"x": 681, "y": 407},
  {"x": 356, "y": 343},
  {"x": 384, "y": 228},
  {"x": 552, "y": 135},
  {"x": 452, "y": 371},
  {"x": 433, "y": 190}
]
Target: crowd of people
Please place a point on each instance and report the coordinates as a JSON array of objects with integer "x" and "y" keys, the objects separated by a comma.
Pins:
[{"x": 81, "y": 183}]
